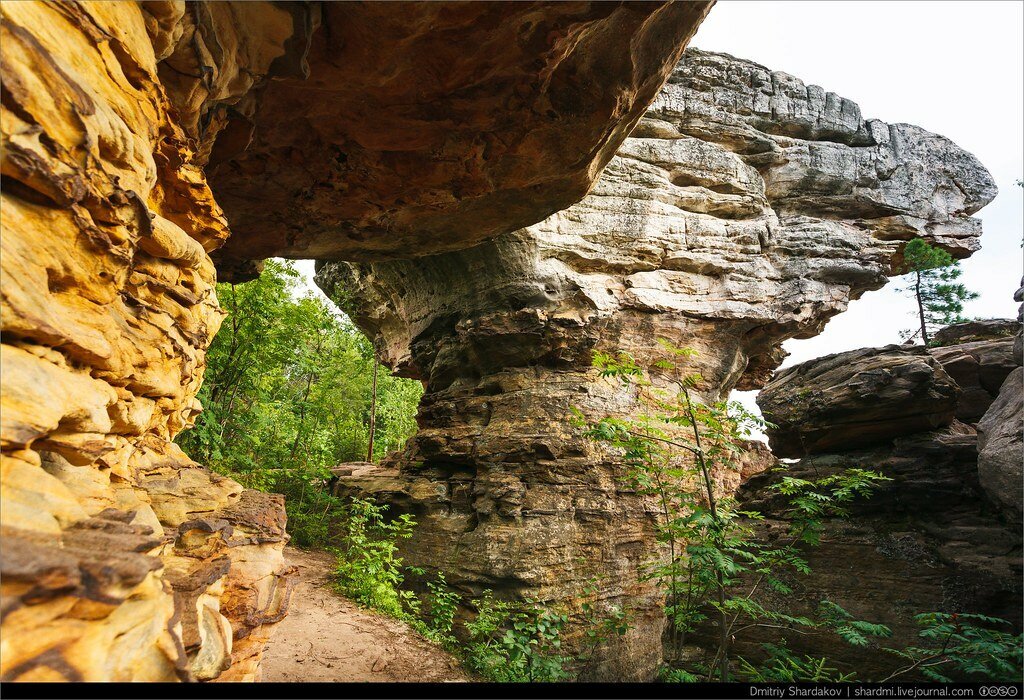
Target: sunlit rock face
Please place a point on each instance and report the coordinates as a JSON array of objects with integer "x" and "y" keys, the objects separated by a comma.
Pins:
[
  {"x": 944, "y": 533},
  {"x": 746, "y": 208},
  {"x": 122, "y": 558}
]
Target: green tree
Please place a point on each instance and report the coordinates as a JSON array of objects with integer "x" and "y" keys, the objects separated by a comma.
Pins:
[
  {"x": 289, "y": 393},
  {"x": 932, "y": 274},
  {"x": 675, "y": 451}
]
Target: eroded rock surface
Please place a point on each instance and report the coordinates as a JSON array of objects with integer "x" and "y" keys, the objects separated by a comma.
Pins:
[
  {"x": 857, "y": 399},
  {"x": 390, "y": 127},
  {"x": 979, "y": 368},
  {"x": 414, "y": 128},
  {"x": 122, "y": 559},
  {"x": 745, "y": 209},
  {"x": 944, "y": 534},
  {"x": 1000, "y": 447}
]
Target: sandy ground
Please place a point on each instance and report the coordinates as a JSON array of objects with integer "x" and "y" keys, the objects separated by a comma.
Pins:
[{"x": 326, "y": 637}]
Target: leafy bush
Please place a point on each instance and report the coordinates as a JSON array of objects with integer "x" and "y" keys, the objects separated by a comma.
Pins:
[
  {"x": 512, "y": 643},
  {"x": 443, "y": 603},
  {"x": 369, "y": 570},
  {"x": 964, "y": 644}
]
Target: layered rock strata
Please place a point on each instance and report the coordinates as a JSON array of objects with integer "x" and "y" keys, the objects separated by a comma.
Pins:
[
  {"x": 941, "y": 535},
  {"x": 1001, "y": 434},
  {"x": 122, "y": 558},
  {"x": 746, "y": 208}
]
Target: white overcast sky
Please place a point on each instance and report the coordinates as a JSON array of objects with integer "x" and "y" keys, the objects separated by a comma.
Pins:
[{"x": 955, "y": 68}]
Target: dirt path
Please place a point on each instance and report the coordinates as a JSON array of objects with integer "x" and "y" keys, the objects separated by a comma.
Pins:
[{"x": 326, "y": 637}]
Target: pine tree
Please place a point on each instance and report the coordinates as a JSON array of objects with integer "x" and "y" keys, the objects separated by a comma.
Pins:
[{"x": 932, "y": 274}]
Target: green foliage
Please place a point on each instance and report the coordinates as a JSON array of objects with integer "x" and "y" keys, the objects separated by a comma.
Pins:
[
  {"x": 287, "y": 395},
  {"x": 932, "y": 274},
  {"x": 854, "y": 632},
  {"x": 601, "y": 622},
  {"x": 678, "y": 675},
  {"x": 508, "y": 642},
  {"x": 966, "y": 645},
  {"x": 515, "y": 643},
  {"x": 369, "y": 570},
  {"x": 716, "y": 564},
  {"x": 782, "y": 666},
  {"x": 440, "y": 614}
]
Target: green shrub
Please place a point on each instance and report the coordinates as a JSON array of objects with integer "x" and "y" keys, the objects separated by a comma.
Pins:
[
  {"x": 369, "y": 569},
  {"x": 514, "y": 643},
  {"x": 966, "y": 645},
  {"x": 442, "y": 604}
]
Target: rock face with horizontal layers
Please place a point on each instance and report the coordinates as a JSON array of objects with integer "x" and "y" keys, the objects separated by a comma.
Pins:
[
  {"x": 745, "y": 209},
  {"x": 942, "y": 535},
  {"x": 124, "y": 559},
  {"x": 857, "y": 399},
  {"x": 1001, "y": 433}
]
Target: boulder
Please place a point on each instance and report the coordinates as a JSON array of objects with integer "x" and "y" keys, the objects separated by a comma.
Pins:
[
  {"x": 1000, "y": 448},
  {"x": 975, "y": 331},
  {"x": 857, "y": 398},
  {"x": 979, "y": 369}
]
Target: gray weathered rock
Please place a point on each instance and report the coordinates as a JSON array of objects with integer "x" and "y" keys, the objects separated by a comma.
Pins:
[
  {"x": 1000, "y": 448},
  {"x": 979, "y": 369},
  {"x": 975, "y": 331},
  {"x": 856, "y": 399}
]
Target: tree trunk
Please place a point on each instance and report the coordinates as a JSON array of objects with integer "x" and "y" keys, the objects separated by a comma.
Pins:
[
  {"x": 373, "y": 412},
  {"x": 920, "y": 309}
]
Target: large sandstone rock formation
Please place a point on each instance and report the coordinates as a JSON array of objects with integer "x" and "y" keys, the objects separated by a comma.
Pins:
[
  {"x": 746, "y": 208},
  {"x": 425, "y": 127},
  {"x": 438, "y": 123},
  {"x": 941, "y": 535},
  {"x": 122, "y": 558},
  {"x": 1001, "y": 434}
]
